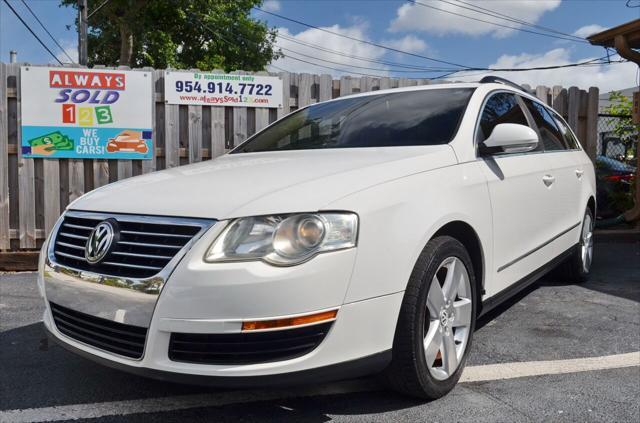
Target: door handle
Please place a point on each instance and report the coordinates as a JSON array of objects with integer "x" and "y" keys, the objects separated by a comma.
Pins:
[
  {"x": 548, "y": 179},
  {"x": 579, "y": 173}
]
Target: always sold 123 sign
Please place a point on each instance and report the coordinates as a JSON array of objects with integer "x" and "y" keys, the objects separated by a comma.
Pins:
[
  {"x": 82, "y": 113},
  {"x": 221, "y": 89}
]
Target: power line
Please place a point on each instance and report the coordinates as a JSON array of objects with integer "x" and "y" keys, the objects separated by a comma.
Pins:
[
  {"x": 356, "y": 66},
  {"x": 360, "y": 40},
  {"x": 94, "y": 11},
  {"x": 417, "y": 68},
  {"x": 494, "y": 23},
  {"x": 364, "y": 59},
  {"x": 229, "y": 42},
  {"x": 32, "y": 33},
  {"x": 510, "y": 18},
  {"x": 47, "y": 31},
  {"x": 588, "y": 62}
]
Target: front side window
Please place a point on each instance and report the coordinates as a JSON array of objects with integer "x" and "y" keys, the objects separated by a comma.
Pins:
[
  {"x": 500, "y": 108},
  {"x": 550, "y": 135},
  {"x": 423, "y": 117}
]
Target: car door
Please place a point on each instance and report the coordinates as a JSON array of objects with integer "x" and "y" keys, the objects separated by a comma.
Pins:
[
  {"x": 519, "y": 196},
  {"x": 565, "y": 175}
]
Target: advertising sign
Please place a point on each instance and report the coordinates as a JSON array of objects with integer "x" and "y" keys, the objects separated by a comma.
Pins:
[
  {"x": 89, "y": 114},
  {"x": 218, "y": 89}
]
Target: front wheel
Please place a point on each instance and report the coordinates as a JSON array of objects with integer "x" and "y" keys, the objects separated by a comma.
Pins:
[{"x": 436, "y": 322}]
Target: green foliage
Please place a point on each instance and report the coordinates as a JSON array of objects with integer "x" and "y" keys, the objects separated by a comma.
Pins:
[
  {"x": 621, "y": 106},
  {"x": 180, "y": 34}
]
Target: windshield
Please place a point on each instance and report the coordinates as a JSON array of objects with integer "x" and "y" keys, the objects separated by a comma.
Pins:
[{"x": 423, "y": 117}]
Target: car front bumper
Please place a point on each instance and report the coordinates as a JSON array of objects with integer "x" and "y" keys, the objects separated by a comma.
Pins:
[{"x": 204, "y": 298}]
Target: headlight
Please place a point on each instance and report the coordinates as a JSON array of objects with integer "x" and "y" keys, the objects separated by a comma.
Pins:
[{"x": 284, "y": 240}]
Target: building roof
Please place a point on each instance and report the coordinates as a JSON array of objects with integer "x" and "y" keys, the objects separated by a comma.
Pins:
[{"x": 631, "y": 30}]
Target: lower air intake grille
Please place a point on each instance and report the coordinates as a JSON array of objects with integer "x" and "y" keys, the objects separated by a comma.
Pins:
[
  {"x": 104, "y": 334},
  {"x": 143, "y": 247},
  {"x": 246, "y": 347}
]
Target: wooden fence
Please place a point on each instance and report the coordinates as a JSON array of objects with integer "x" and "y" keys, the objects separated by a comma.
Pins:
[{"x": 33, "y": 192}]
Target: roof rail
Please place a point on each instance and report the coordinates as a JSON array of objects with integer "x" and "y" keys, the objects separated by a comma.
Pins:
[{"x": 496, "y": 79}]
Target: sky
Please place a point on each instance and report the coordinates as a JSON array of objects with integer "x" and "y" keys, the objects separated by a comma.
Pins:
[{"x": 398, "y": 25}]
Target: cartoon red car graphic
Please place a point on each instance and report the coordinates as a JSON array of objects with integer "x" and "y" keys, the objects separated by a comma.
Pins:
[{"x": 127, "y": 141}]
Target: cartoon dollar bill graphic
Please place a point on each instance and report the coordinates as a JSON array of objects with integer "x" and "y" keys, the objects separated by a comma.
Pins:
[{"x": 50, "y": 143}]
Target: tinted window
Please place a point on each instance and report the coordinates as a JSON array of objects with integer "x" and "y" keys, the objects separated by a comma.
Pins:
[
  {"x": 500, "y": 108},
  {"x": 569, "y": 138},
  {"x": 425, "y": 117},
  {"x": 550, "y": 135}
]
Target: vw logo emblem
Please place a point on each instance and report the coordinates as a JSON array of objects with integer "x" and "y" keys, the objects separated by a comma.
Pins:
[{"x": 99, "y": 242}]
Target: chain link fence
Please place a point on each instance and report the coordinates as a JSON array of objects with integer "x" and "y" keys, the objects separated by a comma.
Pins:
[{"x": 616, "y": 161}]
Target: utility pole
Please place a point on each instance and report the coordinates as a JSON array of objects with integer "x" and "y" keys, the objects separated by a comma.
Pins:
[{"x": 82, "y": 32}]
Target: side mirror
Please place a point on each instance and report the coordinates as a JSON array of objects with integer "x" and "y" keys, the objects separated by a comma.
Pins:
[{"x": 511, "y": 138}]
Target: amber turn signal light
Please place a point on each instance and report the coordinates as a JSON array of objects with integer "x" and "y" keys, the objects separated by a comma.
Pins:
[{"x": 289, "y": 321}]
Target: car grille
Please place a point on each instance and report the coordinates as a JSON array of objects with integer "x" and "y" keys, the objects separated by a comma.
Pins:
[
  {"x": 246, "y": 347},
  {"x": 104, "y": 334},
  {"x": 144, "y": 247}
]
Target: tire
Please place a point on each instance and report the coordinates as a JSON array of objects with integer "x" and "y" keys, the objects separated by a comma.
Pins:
[
  {"x": 409, "y": 373},
  {"x": 577, "y": 266}
]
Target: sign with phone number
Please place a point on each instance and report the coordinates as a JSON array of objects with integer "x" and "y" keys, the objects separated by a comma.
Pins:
[
  {"x": 84, "y": 113},
  {"x": 214, "y": 89}
]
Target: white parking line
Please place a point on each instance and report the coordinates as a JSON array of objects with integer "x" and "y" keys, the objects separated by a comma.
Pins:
[
  {"x": 215, "y": 399},
  {"x": 553, "y": 367}
]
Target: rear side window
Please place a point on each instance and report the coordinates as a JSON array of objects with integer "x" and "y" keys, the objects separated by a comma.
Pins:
[
  {"x": 501, "y": 107},
  {"x": 569, "y": 138},
  {"x": 550, "y": 135}
]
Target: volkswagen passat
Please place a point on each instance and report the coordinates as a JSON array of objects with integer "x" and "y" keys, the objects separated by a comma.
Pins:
[{"x": 358, "y": 235}]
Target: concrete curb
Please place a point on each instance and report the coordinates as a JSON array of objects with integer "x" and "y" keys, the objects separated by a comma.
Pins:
[{"x": 19, "y": 261}]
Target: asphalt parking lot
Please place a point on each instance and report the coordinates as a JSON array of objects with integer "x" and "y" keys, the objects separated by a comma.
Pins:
[{"x": 556, "y": 352}]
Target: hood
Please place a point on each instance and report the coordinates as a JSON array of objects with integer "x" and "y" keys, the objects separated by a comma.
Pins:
[{"x": 236, "y": 185}]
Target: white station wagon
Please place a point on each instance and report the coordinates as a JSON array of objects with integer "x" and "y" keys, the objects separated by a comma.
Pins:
[{"x": 358, "y": 235}]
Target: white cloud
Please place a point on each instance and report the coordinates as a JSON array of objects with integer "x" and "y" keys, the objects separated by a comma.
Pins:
[
  {"x": 71, "y": 48},
  {"x": 587, "y": 30},
  {"x": 316, "y": 37},
  {"x": 409, "y": 43},
  {"x": 271, "y": 6},
  {"x": 606, "y": 77},
  {"x": 414, "y": 17}
]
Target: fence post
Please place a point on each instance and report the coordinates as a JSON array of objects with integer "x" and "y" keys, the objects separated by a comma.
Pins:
[
  {"x": 325, "y": 87},
  {"x": 171, "y": 134},
  {"x": 542, "y": 93},
  {"x": 5, "y": 238},
  {"x": 574, "y": 108},
  {"x": 194, "y": 129},
  {"x": 592, "y": 122},
  {"x": 26, "y": 179},
  {"x": 239, "y": 121},
  {"x": 345, "y": 85},
  {"x": 286, "y": 95}
]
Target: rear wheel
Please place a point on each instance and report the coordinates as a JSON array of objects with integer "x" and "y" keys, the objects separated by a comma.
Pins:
[
  {"x": 436, "y": 322},
  {"x": 576, "y": 268}
]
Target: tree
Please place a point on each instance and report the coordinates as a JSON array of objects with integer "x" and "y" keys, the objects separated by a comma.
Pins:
[
  {"x": 181, "y": 34},
  {"x": 627, "y": 130},
  {"x": 622, "y": 106}
]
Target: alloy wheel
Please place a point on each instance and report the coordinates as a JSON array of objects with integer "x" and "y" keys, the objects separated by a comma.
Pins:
[
  {"x": 587, "y": 243},
  {"x": 448, "y": 318}
]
